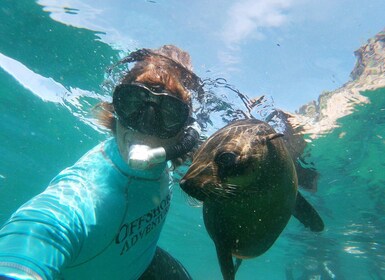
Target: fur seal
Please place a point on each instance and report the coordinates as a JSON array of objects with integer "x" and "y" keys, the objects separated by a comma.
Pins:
[{"x": 247, "y": 181}]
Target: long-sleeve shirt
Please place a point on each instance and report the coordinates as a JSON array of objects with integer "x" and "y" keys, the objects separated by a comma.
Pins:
[{"x": 98, "y": 219}]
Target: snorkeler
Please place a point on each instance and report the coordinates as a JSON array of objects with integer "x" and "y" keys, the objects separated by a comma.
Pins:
[{"x": 101, "y": 218}]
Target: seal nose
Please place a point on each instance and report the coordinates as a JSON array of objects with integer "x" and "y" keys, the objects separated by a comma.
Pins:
[
  {"x": 191, "y": 187},
  {"x": 182, "y": 183},
  {"x": 186, "y": 186}
]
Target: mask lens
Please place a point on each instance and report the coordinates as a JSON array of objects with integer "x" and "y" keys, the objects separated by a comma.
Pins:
[
  {"x": 132, "y": 101},
  {"x": 174, "y": 113},
  {"x": 129, "y": 104}
]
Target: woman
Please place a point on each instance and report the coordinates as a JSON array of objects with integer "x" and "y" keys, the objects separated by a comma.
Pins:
[{"x": 102, "y": 217}]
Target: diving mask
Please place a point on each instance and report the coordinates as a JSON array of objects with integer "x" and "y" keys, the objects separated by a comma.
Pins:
[{"x": 151, "y": 111}]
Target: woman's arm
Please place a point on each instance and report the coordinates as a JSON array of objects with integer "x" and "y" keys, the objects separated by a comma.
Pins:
[{"x": 47, "y": 232}]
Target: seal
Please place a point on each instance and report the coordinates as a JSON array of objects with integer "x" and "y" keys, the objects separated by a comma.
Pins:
[{"x": 247, "y": 181}]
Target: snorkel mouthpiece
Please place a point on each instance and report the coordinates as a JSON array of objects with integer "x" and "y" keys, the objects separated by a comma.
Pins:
[{"x": 143, "y": 157}]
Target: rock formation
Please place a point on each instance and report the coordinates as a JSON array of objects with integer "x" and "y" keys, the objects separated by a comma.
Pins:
[{"x": 318, "y": 117}]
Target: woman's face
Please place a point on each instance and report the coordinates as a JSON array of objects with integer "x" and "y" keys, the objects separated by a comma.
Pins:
[
  {"x": 127, "y": 137},
  {"x": 150, "y": 116}
]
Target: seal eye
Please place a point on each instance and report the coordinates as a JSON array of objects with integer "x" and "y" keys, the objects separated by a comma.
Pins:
[
  {"x": 227, "y": 164},
  {"x": 226, "y": 160}
]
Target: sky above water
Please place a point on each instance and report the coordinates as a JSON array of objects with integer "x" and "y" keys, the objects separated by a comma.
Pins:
[{"x": 291, "y": 50}]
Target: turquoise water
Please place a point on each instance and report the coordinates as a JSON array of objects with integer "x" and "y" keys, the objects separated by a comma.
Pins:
[{"x": 50, "y": 78}]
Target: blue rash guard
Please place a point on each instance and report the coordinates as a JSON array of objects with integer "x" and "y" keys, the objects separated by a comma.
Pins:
[{"x": 98, "y": 219}]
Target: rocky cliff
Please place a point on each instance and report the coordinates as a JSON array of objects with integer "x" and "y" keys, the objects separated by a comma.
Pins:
[{"x": 318, "y": 117}]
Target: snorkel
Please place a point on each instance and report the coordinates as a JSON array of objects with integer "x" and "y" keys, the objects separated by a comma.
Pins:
[{"x": 143, "y": 157}]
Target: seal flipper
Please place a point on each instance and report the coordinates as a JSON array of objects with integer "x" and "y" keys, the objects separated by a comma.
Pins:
[
  {"x": 307, "y": 215},
  {"x": 226, "y": 263},
  {"x": 238, "y": 263}
]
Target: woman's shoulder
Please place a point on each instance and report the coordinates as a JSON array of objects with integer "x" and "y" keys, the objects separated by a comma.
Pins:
[{"x": 89, "y": 165}]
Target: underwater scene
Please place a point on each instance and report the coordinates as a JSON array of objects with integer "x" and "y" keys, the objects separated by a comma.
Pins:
[{"x": 316, "y": 70}]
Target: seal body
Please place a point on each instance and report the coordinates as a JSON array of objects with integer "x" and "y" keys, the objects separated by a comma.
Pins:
[{"x": 248, "y": 184}]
